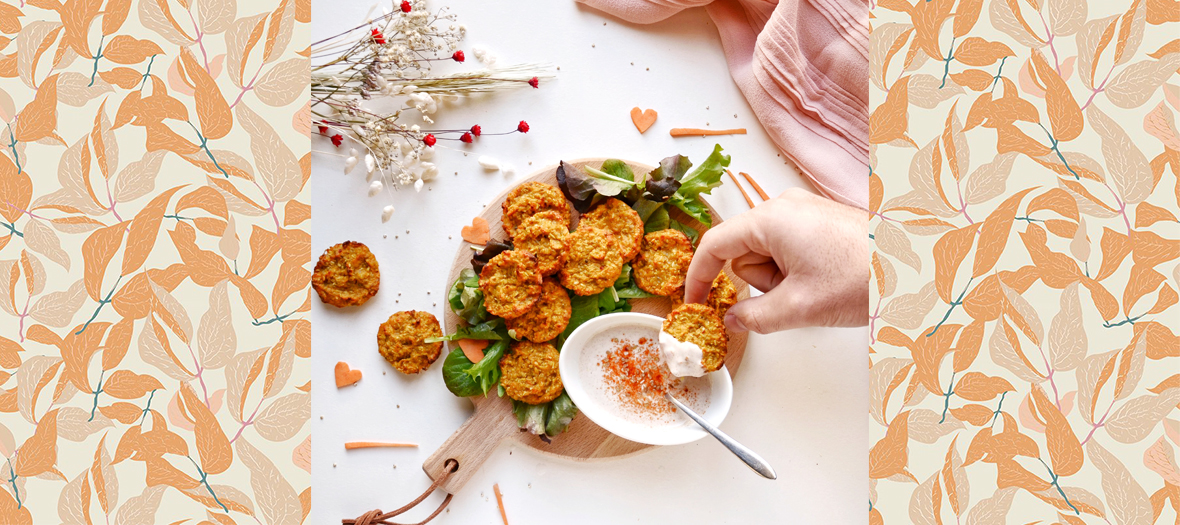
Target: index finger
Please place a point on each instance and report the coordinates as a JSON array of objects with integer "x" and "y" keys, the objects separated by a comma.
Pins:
[{"x": 728, "y": 240}]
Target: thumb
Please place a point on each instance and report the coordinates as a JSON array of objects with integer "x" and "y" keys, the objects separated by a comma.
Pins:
[{"x": 772, "y": 311}]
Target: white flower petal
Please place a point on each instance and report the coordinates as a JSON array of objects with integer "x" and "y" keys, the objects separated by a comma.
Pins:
[
  {"x": 418, "y": 185},
  {"x": 375, "y": 187},
  {"x": 349, "y": 164},
  {"x": 429, "y": 170},
  {"x": 386, "y": 213},
  {"x": 427, "y": 153},
  {"x": 370, "y": 162},
  {"x": 488, "y": 163}
]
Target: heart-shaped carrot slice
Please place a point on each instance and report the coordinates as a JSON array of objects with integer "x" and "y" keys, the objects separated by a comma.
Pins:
[
  {"x": 643, "y": 119},
  {"x": 346, "y": 376},
  {"x": 478, "y": 232}
]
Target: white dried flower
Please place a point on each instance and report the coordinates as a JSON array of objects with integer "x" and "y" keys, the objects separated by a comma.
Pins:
[
  {"x": 349, "y": 164},
  {"x": 429, "y": 170},
  {"x": 427, "y": 153},
  {"x": 375, "y": 187},
  {"x": 386, "y": 213},
  {"x": 488, "y": 163},
  {"x": 418, "y": 185},
  {"x": 370, "y": 162}
]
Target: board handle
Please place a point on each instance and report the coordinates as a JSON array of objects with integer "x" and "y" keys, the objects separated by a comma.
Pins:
[{"x": 473, "y": 443}]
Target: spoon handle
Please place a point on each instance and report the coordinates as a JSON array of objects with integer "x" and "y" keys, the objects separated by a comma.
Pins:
[{"x": 754, "y": 461}]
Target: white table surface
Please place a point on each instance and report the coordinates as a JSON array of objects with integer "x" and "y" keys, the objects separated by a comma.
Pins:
[{"x": 800, "y": 397}]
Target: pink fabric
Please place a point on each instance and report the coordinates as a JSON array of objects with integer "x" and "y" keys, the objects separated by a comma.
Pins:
[{"x": 803, "y": 67}]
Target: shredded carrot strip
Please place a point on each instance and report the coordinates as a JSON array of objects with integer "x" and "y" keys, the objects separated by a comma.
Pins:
[
  {"x": 757, "y": 188},
  {"x": 691, "y": 132},
  {"x": 375, "y": 444},
  {"x": 739, "y": 185},
  {"x": 500, "y": 502}
]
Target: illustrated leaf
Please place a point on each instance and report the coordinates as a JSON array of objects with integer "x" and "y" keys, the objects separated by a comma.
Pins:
[
  {"x": 139, "y": 177},
  {"x": 38, "y": 454},
  {"x": 1136, "y": 83},
  {"x": 127, "y": 50},
  {"x": 1065, "y": 451},
  {"x": 1127, "y": 501},
  {"x": 216, "y": 15},
  {"x": 1065, "y": 116},
  {"x": 38, "y": 119},
  {"x": 1130, "y": 32},
  {"x": 927, "y": 426},
  {"x": 276, "y": 165},
  {"x": 975, "y": 51},
  {"x": 114, "y": 15},
  {"x": 954, "y": 480},
  {"x": 1127, "y": 165},
  {"x": 975, "y": 386},
  {"x": 949, "y": 252},
  {"x": 212, "y": 109},
  {"x": 1005, "y": 16},
  {"x": 43, "y": 240},
  {"x": 1135, "y": 420},
  {"x": 243, "y": 34},
  {"x": 890, "y": 120},
  {"x": 277, "y": 501},
  {"x": 889, "y": 455},
  {"x": 955, "y": 145},
  {"x": 212, "y": 445},
  {"x": 144, "y": 230},
  {"x": 988, "y": 181},
  {"x": 141, "y": 508},
  {"x": 216, "y": 339},
  {"x": 106, "y": 148},
  {"x": 993, "y": 235},
  {"x": 993, "y": 509},
  {"x": 283, "y": 83},
  {"x": 1066, "y": 16},
  {"x": 966, "y": 14},
  {"x": 124, "y": 384},
  {"x": 1162, "y": 125},
  {"x": 106, "y": 483},
  {"x": 926, "y": 502},
  {"x": 73, "y": 504},
  {"x": 1162, "y": 460},
  {"x": 1067, "y": 336},
  {"x": 284, "y": 418},
  {"x": 1004, "y": 348},
  {"x": 57, "y": 309},
  {"x": 97, "y": 251}
]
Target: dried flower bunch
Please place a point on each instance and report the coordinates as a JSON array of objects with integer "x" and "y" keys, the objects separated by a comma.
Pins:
[{"x": 389, "y": 59}]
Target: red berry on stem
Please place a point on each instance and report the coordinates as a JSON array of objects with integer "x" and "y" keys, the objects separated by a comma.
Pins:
[
  {"x": 459, "y": 56},
  {"x": 337, "y": 140},
  {"x": 476, "y": 130},
  {"x": 429, "y": 140},
  {"x": 523, "y": 127},
  {"x": 406, "y": 6},
  {"x": 467, "y": 138},
  {"x": 534, "y": 82}
]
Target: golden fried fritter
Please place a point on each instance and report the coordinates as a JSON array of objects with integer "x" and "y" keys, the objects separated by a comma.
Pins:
[
  {"x": 510, "y": 283},
  {"x": 346, "y": 275},
  {"x": 548, "y": 318},
  {"x": 529, "y": 199},
  {"x": 592, "y": 261},
  {"x": 663, "y": 261},
  {"x": 699, "y": 324},
  {"x": 721, "y": 296},
  {"x": 543, "y": 235},
  {"x": 529, "y": 373},
  {"x": 616, "y": 217},
  {"x": 400, "y": 341}
]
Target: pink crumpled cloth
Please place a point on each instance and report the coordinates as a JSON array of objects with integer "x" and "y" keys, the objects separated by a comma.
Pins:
[{"x": 803, "y": 67}]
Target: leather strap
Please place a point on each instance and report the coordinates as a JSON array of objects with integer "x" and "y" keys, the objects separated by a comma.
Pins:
[{"x": 376, "y": 517}]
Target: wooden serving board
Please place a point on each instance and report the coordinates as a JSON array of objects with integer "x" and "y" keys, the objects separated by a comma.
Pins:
[{"x": 494, "y": 421}]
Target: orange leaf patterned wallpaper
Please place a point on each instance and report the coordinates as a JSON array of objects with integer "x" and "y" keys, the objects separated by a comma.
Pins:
[
  {"x": 1024, "y": 347},
  {"x": 154, "y": 262}
]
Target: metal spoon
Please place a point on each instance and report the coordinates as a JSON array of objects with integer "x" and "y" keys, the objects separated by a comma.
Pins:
[{"x": 754, "y": 461}]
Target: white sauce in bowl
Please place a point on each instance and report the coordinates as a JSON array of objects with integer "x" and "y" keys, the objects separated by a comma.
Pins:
[
  {"x": 624, "y": 370},
  {"x": 683, "y": 358}
]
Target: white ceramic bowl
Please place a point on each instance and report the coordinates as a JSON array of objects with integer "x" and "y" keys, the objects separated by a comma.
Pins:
[{"x": 570, "y": 362}]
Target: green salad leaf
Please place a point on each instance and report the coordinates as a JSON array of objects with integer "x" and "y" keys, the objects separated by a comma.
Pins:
[
  {"x": 688, "y": 231},
  {"x": 664, "y": 181},
  {"x": 701, "y": 180},
  {"x": 547, "y": 419},
  {"x": 466, "y": 299},
  {"x": 486, "y": 372},
  {"x": 464, "y": 378},
  {"x": 492, "y": 330},
  {"x": 608, "y": 184}
]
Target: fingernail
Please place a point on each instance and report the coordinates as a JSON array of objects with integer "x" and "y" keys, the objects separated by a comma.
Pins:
[{"x": 734, "y": 323}]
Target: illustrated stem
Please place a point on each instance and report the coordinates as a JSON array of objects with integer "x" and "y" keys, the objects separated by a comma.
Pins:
[
  {"x": 101, "y": 303},
  {"x": 946, "y": 405},
  {"x": 12, "y": 228},
  {"x": 12, "y": 479},
  {"x": 97, "y": 391},
  {"x": 147, "y": 73},
  {"x": 946, "y": 70},
  {"x": 996, "y": 414},
  {"x": 1053, "y": 480},
  {"x": 97, "y": 56},
  {"x": 147, "y": 408},
  {"x": 953, "y": 304},
  {"x": 996, "y": 79},
  {"x": 12, "y": 145},
  {"x": 205, "y": 481},
  {"x": 205, "y": 146}
]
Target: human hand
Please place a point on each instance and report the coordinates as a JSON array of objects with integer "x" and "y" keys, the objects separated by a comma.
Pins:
[{"x": 809, "y": 256}]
